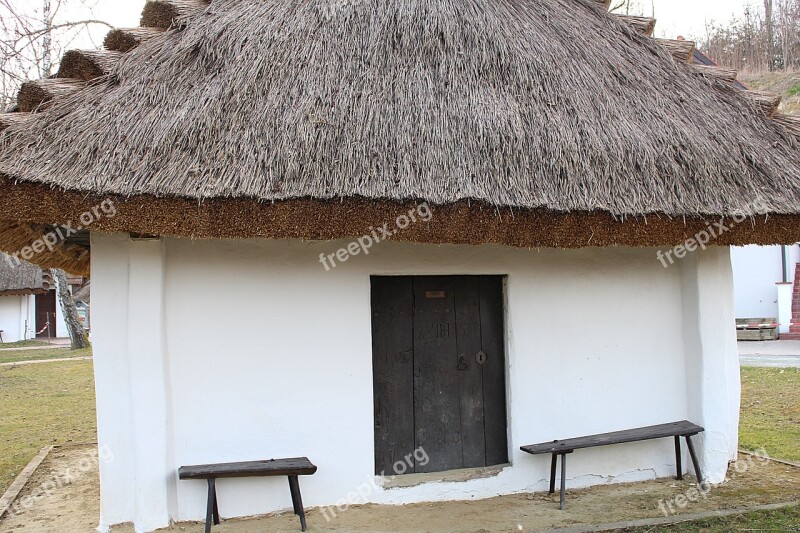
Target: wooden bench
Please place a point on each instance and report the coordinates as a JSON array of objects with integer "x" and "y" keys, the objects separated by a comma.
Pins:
[
  {"x": 563, "y": 447},
  {"x": 298, "y": 466}
]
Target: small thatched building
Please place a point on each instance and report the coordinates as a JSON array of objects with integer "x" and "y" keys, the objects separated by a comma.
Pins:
[
  {"x": 239, "y": 164},
  {"x": 23, "y": 286}
]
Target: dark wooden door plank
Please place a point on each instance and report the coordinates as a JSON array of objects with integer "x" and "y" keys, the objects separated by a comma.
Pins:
[
  {"x": 494, "y": 369},
  {"x": 393, "y": 371},
  {"x": 437, "y": 409},
  {"x": 470, "y": 377}
]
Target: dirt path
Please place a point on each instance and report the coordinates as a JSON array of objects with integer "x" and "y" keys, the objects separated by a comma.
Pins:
[
  {"x": 74, "y": 507},
  {"x": 40, "y": 361},
  {"x": 62, "y": 495},
  {"x": 54, "y": 345}
]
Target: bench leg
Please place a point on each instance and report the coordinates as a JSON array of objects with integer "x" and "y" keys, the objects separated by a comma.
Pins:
[
  {"x": 692, "y": 453},
  {"x": 297, "y": 501},
  {"x": 553, "y": 473},
  {"x": 212, "y": 515},
  {"x": 216, "y": 507},
  {"x": 563, "y": 480},
  {"x": 678, "y": 465}
]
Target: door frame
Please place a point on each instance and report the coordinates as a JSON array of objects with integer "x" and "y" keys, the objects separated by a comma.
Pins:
[
  {"x": 388, "y": 478},
  {"x": 39, "y": 299}
]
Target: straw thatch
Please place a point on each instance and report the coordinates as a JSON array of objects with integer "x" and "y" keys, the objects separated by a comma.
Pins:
[
  {"x": 681, "y": 50},
  {"x": 126, "y": 39},
  {"x": 720, "y": 73},
  {"x": 87, "y": 65},
  {"x": 71, "y": 255},
  {"x": 34, "y": 94},
  {"x": 491, "y": 100},
  {"x": 84, "y": 294},
  {"x": 19, "y": 277},
  {"x": 549, "y": 108}
]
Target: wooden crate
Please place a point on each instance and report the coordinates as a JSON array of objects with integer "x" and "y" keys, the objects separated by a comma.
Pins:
[{"x": 756, "y": 329}]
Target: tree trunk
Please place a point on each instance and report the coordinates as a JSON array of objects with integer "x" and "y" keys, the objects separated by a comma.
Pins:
[
  {"x": 47, "y": 41},
  {"x": 769, "y": 19},
  {"x": 76, "y": 333}
]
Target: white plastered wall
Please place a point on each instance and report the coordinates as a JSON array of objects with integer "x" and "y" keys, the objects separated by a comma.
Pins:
[
  {"x": 14, "y": 311},
  {"x": 210, "y": 351},
  {"x": 756, "y": 272}
]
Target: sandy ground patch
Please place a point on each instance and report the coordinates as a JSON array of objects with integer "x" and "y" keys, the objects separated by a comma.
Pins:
[
  {"x": 74, "y": 507},
  {"x": 63, "y": 494}
]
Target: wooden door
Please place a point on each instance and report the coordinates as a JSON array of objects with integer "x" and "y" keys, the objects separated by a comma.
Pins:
[
  {"x": 439, "y": 371},
  {"x": 46, "y": 311}
]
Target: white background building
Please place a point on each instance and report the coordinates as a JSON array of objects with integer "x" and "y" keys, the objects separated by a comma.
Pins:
[{"x": 758, "y": 275}]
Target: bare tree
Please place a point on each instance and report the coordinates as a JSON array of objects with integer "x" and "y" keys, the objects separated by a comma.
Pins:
[
  {"x": 760, "y": 40},
  {"x": 634, "y": 7},
  {"x": 788, "y": 32},
  {"x": 33, "y": 34},
  {"x": 76, "y": 333},
  {"x": 770, "y": 30}
]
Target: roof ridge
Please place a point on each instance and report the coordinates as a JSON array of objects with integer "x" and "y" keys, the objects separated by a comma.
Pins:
[
  {"x": 160, "y": 16},
  {"x": 164, "y": 18},
  {"x": 76, "y": 70},
  {"x": 80, "y": 66},
  {"x": 682, "y": 51},
  {"x": 168, "y": 14}
]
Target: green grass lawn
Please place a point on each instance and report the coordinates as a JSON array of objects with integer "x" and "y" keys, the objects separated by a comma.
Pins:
[
  {"x": 13, "y": 356},
  {"x": 53, "y": 403},
  {"x": 43, "y": 404},
  {"x": 771, "y": 420},
  {"x": 783, "y": 520},
  {"x": 771, "y": 412},
  {"x": 786, "y": 84},
  {"x": 21, "y": 344}
]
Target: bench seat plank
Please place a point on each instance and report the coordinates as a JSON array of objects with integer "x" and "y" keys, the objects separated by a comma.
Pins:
[
  {"x": 297, "y": 466},
  {"x": 673, "y": 429}
]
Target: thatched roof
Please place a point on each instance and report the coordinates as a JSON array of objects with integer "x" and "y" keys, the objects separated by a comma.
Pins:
[
  {"x": 19, "y": 277},
  {"x": 546, "y": 108},
  {"x": 84, "y": 294}
]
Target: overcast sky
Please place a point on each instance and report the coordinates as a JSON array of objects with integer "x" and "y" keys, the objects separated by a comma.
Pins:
[
  {"x": 689, "y": 17},
  {"x": 675, "y": 17}
]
